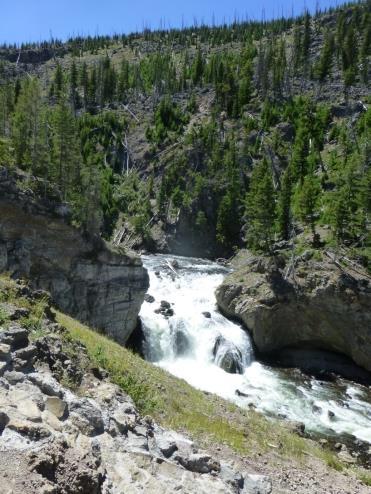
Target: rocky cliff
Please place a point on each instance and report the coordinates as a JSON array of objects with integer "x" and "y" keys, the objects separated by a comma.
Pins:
[
  {"x": 314, "y": 306},
  {"x": 86, "y": 278}
]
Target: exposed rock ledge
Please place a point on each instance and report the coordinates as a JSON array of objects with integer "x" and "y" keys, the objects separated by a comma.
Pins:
[
  {"x": 321, "y": 307},
  {"x": 86, "y": 277}
]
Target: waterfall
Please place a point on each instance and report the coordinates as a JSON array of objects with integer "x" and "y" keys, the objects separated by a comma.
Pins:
[{"x": 186, "y": 335}]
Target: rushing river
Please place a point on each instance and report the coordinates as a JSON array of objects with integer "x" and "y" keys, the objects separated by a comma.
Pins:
[{"x": 194, "y": 341}]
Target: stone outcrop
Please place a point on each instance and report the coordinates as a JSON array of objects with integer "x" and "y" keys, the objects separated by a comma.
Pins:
[
  {"x": 319, "y": 305},
  {"x": 86, "y": 278},
  {"x": 93, "y": 441}
]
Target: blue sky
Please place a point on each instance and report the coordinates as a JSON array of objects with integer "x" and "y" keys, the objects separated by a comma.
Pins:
[{"x": 34, "y": 20}]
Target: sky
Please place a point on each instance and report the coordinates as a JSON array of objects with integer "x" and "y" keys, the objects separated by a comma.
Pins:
[{"x": 37, "y": 20}]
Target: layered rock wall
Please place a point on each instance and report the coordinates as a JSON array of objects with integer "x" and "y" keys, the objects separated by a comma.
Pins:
[{"x": 86, "y": 278}]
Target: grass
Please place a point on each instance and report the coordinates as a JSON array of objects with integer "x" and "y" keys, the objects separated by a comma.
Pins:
[
  {"x": 331, "y": 460},
  {"x": 364, "y": 477}
]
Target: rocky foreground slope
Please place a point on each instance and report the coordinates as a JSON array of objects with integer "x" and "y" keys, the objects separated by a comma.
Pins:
[
  {"x": 55, "y": 439},
  {"x": 313, "y": 305},
  {"x": 86, "y": 277}
]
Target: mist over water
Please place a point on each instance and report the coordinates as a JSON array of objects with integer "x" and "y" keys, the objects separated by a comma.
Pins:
[{"x": 194, "y": 342}]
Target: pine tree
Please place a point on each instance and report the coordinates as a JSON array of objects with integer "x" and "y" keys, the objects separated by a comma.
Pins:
[
  {"x": 88, "y": 205},
  {"x": 366, "y": 50},
  {"x": 58, "y": 81},
  {"x": 260, "y": 208},
  {"x": 323, "y": 67},
  {"x": 123, "y": 81},
  {"x": 74, "y": 95},
  {"x": 66, "y": 158},
  {"x": 300, "y": 153},
  {"x": 197, "y": 68},
  {"x": 306, "y": 41},
  {"x": 350, "y": 56},
  {"x": 307, "y": 203},
  {"x": 84, "y": 83},
  {"x": 28, "y": 127},
  {"x": 284, "y": 213}
]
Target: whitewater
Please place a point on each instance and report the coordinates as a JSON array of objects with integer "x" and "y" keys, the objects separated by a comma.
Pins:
[{"x": 192, "y": 343}]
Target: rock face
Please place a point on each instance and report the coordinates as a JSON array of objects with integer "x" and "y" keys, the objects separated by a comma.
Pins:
[
  {"x": 94, "y": 441},
  {"x": 86, "y": 278},
  {"x": 319, "y": 306}
]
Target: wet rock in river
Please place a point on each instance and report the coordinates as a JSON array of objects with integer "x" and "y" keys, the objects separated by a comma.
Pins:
[
  {"x": 181, "y": 343},
  {"x": 227, "y": 356},
  {"x": 331, "y": 415}
]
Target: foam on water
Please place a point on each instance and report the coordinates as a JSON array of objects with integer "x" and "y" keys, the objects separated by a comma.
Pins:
[{"x": 191, "y": 356}]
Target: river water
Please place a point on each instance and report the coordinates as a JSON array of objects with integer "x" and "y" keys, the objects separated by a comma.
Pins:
[{"x": 193, "y": 343}]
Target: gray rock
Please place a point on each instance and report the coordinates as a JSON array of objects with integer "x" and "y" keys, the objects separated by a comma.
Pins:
[
  {"x": 257, "y": 484},
  {"x": 227, "y": 356},
  {"x": 56, "y": 406},
  {"x": 181, "y": 342},
  {"x": 166, "y": 446},
  {"x": 47, "y": 384},
  {"x": 4, "y": 419},
  {"x": 15, "y": 335},
  {"x": 28, "y": 353},
  {"x": 296, "y": 427},
  {"x": 231, "y": 477},
  {"x": 3, "y": 367},
  {"x": 135, "y": 442},
  {"x": 5, "y": 352},
  {"x": 198, "y": 462},
  {"x": 14, "y": 377},
  {"x": 149, "y": 298},
  {"x": 87, "y": 417}
]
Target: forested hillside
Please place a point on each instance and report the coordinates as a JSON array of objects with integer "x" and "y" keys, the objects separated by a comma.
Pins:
[{"x": 205, "y": 139}]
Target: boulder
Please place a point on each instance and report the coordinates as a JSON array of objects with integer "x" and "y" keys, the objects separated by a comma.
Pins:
[
  {"x": 257, "y": 484},
  {"x": 14, "y": 335},
  {"x": 181, "y": 342},
  {"x": 199, "y": 462},
  {"x": 227, "y": 356},
  {"x": 87, "y": 417},
  {"x": 5, "y": 351},
  {"x": 56, "y": 406},
  {"x": 324, "y": 308},
  {"x": 166, "y": 446}
]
